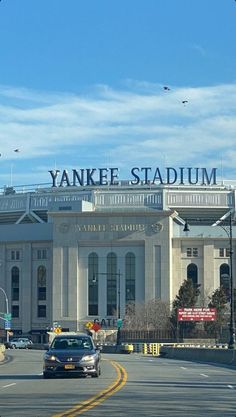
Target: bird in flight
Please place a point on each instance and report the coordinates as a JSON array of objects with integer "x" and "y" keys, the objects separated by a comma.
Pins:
[
  {"x": 166, "y": 88},
  {"x": 185, "y": 101},
  {"x": 16, "y": 150}
]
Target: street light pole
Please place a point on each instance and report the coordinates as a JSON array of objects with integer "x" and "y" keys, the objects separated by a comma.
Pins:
[
  {"x": 118, "y": 275},
  {"x": 118, "y": 325},
  {"x": 231, "y": 344},
  {"x": 7, "y": 307}
]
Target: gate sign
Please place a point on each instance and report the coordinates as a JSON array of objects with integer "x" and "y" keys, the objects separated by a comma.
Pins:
[{"x": 196, "y": 314}]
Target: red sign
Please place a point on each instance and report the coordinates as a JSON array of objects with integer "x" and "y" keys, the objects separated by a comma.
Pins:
[
  {"x": 196, "y": 314},
  {"x": 96, "y": 326}
]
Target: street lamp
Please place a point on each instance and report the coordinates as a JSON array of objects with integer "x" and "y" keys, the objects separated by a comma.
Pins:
[
  {"x": 118, "y": 275},
  {"x": 186, "y": 226},
  {"x": 7, "y": 307},
  {"x": 232, "y": 342}
]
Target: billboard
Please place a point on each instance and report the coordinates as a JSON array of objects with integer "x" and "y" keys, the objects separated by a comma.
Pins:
[{"x": 196, "y": 314}]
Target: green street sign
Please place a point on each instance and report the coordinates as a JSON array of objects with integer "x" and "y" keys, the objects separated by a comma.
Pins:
[
  {"x": 119, "y": 323},
  {"x": 7, "y": 316}
]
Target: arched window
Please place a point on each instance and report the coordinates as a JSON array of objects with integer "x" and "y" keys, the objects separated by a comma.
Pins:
[
  {"x": 129, "y": 278},
  {"x": 15, "y": 291},
  {"x": 15, "y": 283},
  {"x": 42, "y": 290},
  {"x": 41, "y": 283},
  {"x": 192, "y": 273},
  {"x": 93, "y": 279},
  {"x": 225, "y": 279},
  {"x": 112, "y": 277}
]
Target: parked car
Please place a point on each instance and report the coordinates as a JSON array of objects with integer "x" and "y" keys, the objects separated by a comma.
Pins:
[
  {"x": 72, "y": 354},
  {"x": 19, "y": 343}
]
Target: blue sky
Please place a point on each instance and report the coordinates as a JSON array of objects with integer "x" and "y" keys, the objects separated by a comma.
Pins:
[{"x": 81, "y": 86}]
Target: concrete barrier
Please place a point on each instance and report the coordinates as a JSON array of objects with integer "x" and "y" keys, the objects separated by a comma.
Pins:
[
  {"x": 2, "y": 351},
  {"x": 127, "y": 348},
  {"x": 2, "y": 348},
  {"x": 199, "y": 354}
]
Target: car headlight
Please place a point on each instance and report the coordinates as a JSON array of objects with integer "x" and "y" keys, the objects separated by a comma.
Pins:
[
  {"x": 88, "y": 358},
  {"x": 50, "y": 358}
]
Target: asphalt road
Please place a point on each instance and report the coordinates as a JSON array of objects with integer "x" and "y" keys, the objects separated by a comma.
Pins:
[{"x": 130, "y": 385}]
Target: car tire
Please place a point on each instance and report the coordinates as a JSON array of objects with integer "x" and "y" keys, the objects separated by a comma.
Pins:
[
  {"x": 46, "y": 375},
  {"x": 97, "y": 373},
  {"x": 13, "y": 346}
]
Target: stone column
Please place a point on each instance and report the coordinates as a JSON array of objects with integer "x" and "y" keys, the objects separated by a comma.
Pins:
[{"x": 210, "y": 278}]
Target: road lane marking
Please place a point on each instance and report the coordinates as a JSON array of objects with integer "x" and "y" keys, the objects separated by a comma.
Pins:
[
  {"x": 206, "y": 376},
  {"x": 184, "y": 384},
  {"x": 92, "y": 402},
  {"x": 182, "y": 367},
  {"x": 9, "y": 385},
  {"x": 230, "y": 386}
]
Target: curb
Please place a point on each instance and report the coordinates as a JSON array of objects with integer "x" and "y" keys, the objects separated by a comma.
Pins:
[{"x": 5, "y": 360}]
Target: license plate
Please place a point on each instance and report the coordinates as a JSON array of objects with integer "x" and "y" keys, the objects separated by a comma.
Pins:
[{"x": 69, "y": 366}]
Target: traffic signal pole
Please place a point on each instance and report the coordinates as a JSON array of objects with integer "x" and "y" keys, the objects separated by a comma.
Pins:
[{"x": 7, "y": 313}]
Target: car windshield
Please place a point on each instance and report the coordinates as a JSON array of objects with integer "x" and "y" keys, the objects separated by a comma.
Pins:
[{"x": 72, "y": 343}]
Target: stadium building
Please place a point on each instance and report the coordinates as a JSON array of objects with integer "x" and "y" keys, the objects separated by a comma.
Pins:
[{"x": 81, "y": 248}]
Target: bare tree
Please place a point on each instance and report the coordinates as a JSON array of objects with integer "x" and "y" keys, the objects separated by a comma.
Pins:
[{"x": 152, "y": 315}]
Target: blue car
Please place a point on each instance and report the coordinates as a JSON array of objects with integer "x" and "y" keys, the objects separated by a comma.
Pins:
[{"x": 72, "y": 355}]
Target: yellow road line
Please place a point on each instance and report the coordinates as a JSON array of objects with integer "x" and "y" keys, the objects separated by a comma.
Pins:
[{"x": 92, "y": 402}]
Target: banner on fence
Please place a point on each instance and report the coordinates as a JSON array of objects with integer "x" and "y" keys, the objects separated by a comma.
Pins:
[{"x": 196, "y": 314}]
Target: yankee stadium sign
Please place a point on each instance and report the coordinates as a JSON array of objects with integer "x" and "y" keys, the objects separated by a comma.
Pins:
[{"x": 138, "y": 176}]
